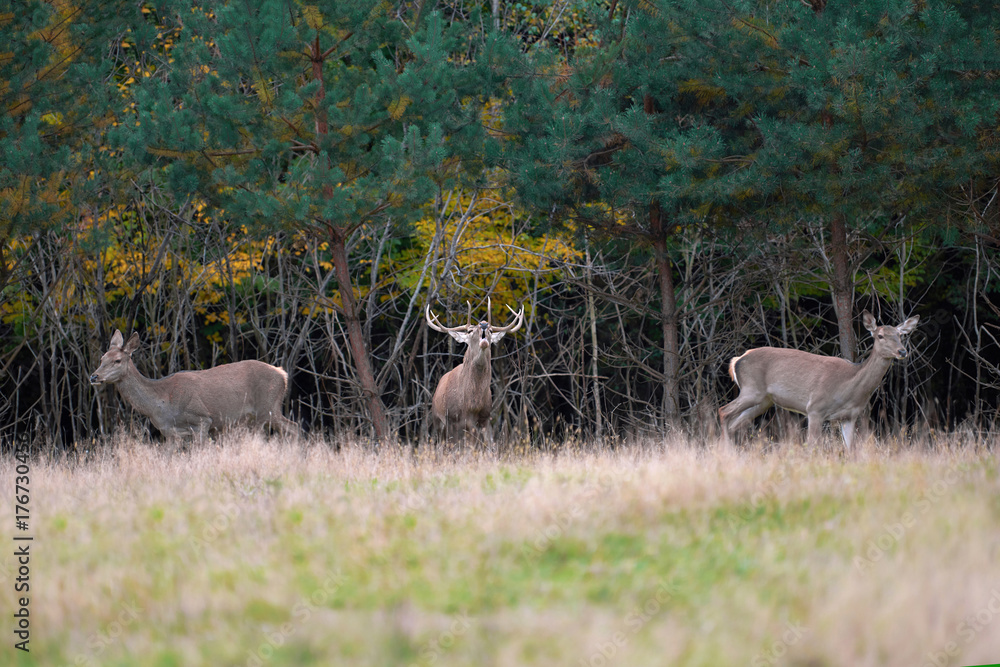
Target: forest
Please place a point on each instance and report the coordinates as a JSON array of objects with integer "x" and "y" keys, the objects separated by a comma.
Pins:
[{"x": 661, "y": 185}]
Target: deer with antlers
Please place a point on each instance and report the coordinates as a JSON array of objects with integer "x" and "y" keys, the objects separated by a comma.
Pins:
[{"x": 463, "y": 400}]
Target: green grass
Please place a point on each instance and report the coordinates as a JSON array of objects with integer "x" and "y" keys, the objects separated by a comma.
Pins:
[{"x": 253, "y": 552}]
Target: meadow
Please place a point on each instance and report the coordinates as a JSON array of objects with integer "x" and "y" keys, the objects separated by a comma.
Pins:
[{"x": 248, "y": 551}]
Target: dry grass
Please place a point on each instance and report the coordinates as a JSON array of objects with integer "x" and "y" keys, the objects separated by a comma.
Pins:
[{"x": 252, "y": 552}]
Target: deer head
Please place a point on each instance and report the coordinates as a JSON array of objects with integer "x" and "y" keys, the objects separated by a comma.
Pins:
[
  {"x": 116, "y": 361},
  {"x": 480, "y": 335}
]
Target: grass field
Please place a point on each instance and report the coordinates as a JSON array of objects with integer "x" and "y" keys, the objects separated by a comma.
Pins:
[{"x": 255, "y": 552}]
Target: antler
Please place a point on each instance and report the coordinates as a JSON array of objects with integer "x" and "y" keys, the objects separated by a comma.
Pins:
[
  {"x": 434, "y": 323},
  {"x": 437, "y": 326},
  {"x": 513, "y": 326}
]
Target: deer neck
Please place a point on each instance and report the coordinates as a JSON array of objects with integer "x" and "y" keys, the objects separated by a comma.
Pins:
[
  {"x": 140, "y": 392},
  {"x": 869, "y": 373},
  {"x": 477, "y": 361}
]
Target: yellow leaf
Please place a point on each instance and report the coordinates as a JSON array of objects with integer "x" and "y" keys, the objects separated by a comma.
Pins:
[
  {"x": 263, "y": 90},
  {"x": 704, "y": 92},
  {"x": 398, "y": 108},
  {"x": 313, "y": 17},
  {"x": 758, "y": 28},
  {"x": 165, "y": 152}
]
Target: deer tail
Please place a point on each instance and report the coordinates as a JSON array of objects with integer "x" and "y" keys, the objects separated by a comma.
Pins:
[{"x": 732, "y": 369}]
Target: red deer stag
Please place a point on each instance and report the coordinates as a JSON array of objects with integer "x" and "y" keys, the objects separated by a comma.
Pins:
[
  {"x": 463, "y": 400},
  {"x": 195, "y": 402},
  {"x": 822, "y": 388}
]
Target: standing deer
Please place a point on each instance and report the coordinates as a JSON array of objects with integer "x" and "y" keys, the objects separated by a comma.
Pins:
[
  {"x": 822, "y": 388},
  {"x": 463, "y": 400},
  {"x": 195, "y": 402}
]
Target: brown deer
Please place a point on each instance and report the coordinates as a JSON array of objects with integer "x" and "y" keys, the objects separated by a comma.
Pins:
[
  {"x": 463, "y": 400},
  {"x": 196, "y": 402},
  {"x": 821, "y": 388}
]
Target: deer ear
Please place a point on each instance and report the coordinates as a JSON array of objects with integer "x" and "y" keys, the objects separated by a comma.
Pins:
[
  {"x": 869, "y": 321},
  {"x": 908, "y": 326},
  {"x": 133, "y": 343},
  {"x": 494, "y": 337},
  {"x": 116, "y": 340},
  {"x": 461, "y": 336}
]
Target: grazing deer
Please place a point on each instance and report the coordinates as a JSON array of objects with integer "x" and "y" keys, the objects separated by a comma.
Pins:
[
  {"x": 822, "y": 388},
  {"x": 463, "y": 400},
  {"x": 195, "y": 402}
]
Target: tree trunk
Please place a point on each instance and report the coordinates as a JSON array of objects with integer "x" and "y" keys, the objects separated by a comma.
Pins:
[
  {"x": 338, "y": 248},
  {"x": 668, "y": 301},
  {"x": 843, "y": 288},
  {"x": 595, "y": 381},
  {"x": 668, "y": 317},
  {"x": 355, "y": 337}
]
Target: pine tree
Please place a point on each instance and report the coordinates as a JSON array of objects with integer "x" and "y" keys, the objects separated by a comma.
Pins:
[
  {"x": 607, "y": 141},
  {"x": 863, "y": 117},
  {"x": 53, "y": 98}
]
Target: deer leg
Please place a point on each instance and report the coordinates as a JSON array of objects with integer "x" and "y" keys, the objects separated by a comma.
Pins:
[
  {"x": 454, "y": 432},
  {"x": 467, "y": 432},
  {"x": 847, "y": 430},
  {"x": 488, "y": 436},
  {"x": 725, "y": 412},
  {"x": 440, "y": 431},
  {"x": 436, "y": 430},
  {"x": 815, "y": 429},
  {"x": 288, "y": 428},
  {"x": 171, "y": 439},
  {"x": 749, "y": 408},
  {"x": 200, "y": 431}
]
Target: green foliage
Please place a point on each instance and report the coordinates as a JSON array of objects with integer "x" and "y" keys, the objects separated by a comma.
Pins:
[
  {"x": 51, "y": 98},
  {"x": 332, "y": 114},
  {"x": 873, "y": 111}
]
